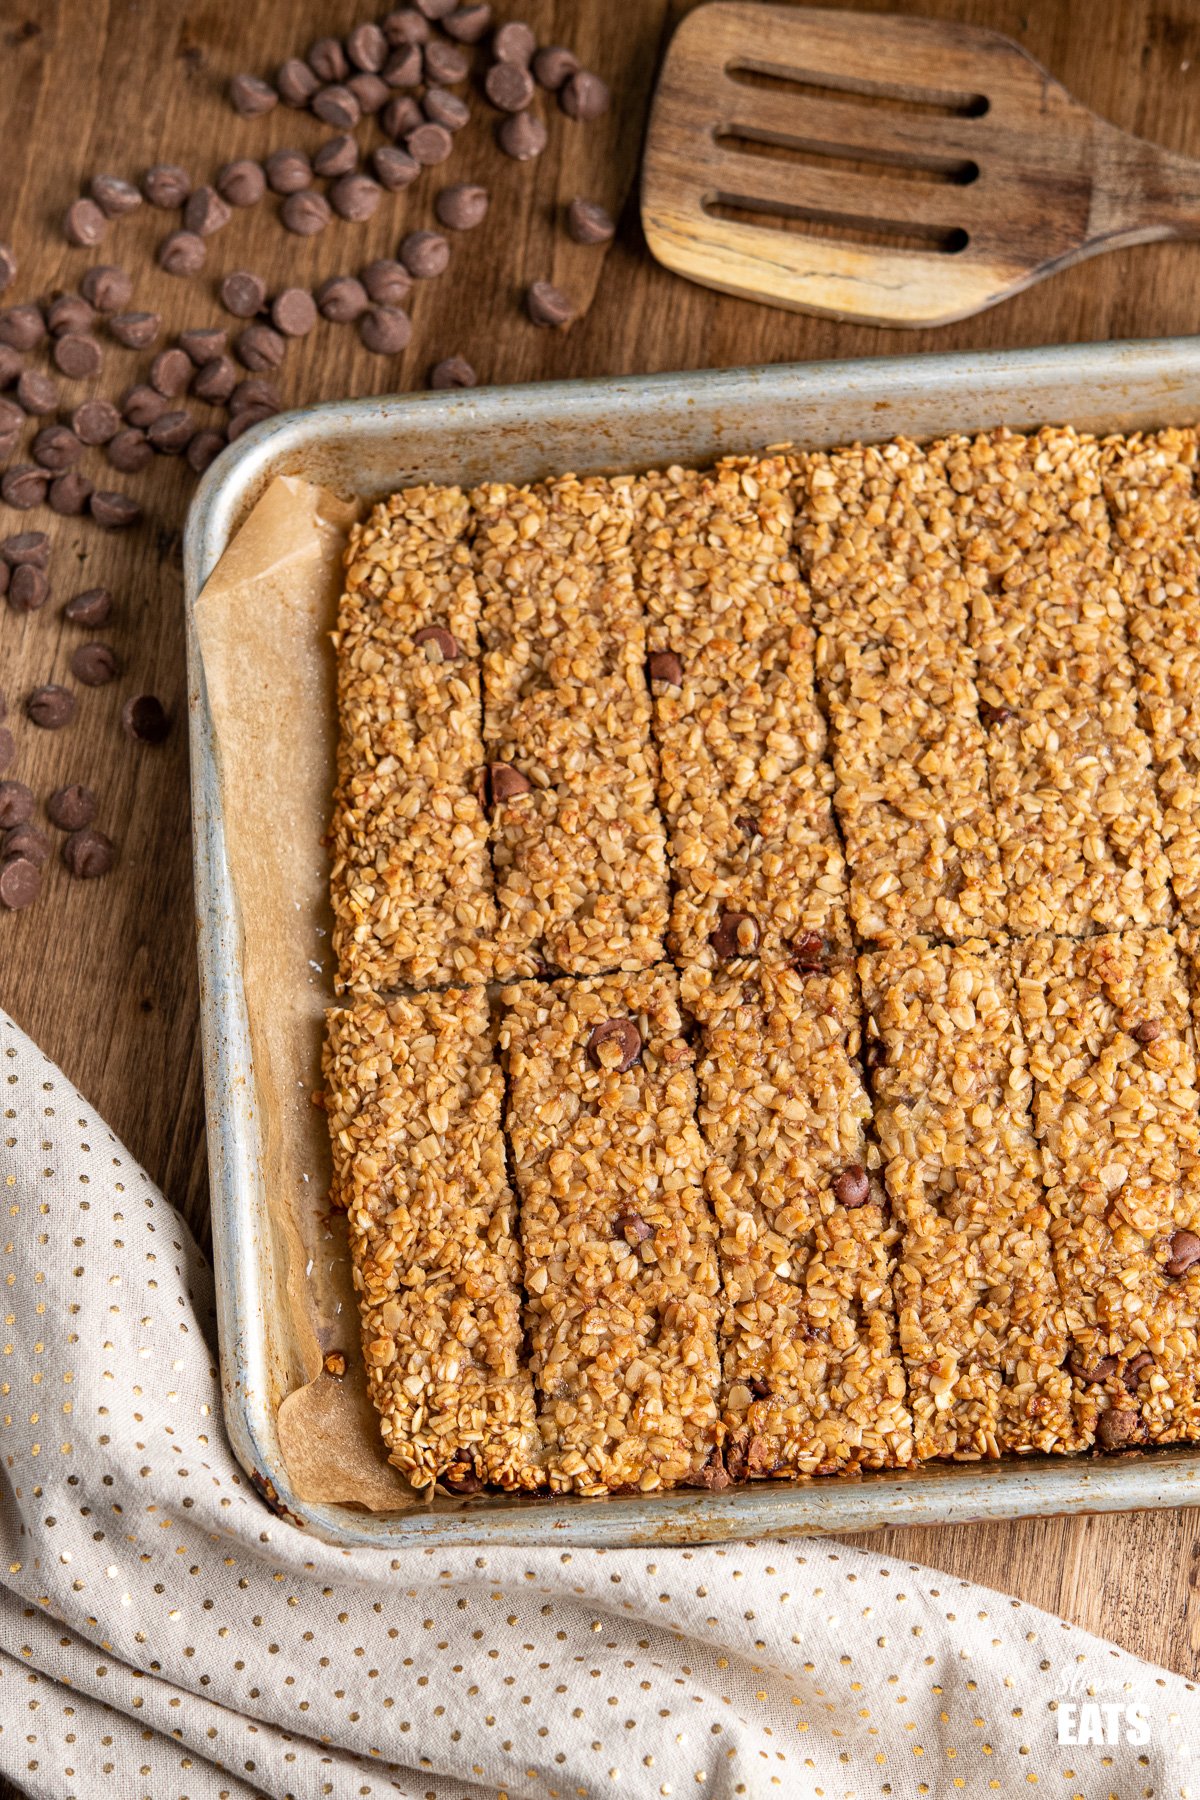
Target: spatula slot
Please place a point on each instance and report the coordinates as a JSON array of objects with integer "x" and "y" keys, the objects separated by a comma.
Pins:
[
  {"x": 753, "y": 140},
  {"x": 831, "y": 227},
  {"x": 753, "y": 73}
]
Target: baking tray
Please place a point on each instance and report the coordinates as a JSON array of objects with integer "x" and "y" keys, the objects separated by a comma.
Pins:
[{"x": 371, "y": 447}]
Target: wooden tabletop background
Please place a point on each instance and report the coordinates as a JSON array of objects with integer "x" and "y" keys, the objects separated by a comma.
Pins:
[{"x": 103, "y": 974}]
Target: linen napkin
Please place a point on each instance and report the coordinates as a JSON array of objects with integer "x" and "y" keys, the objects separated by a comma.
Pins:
[{"x": 164, "y": 1635}]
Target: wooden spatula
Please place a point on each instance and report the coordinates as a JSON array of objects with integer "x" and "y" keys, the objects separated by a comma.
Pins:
[{"x": 892, "y": 170}]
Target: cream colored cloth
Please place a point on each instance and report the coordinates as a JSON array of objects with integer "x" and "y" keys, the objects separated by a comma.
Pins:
[{"x": 163, "y": 1634}]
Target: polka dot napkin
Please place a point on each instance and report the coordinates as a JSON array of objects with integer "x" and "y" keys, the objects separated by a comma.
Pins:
[{"x": 163, "y": 1634}]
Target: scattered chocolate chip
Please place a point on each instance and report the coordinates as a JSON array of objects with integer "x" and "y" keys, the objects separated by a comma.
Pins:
[
  {"x": 445, "y": 108},
  {"x": 166, "y": 186},
  {"x": 387, "y": 282},
  {"x": 129, "y": 450},
  {"x": 808, "y": 952},
  {"x": 1118, "y": 1426},
  {"x": 406, "y": 25},
  {"x": 630, "y": 1225},
  {"x": 452, "y": 372},
  {"x": 737, "y": 934},
  {"x": 1134, "y": 1369},
  {"x": 583, "y": 95},
  {"x": 90, "y": 608},
  {"x": 16, "y": 804},
  {"x": 11, "y": 364},
  {"x": 337, "y": 156},
  {"x": 71, "y": 807},
  {"x": 288, "y": 172},
  {"x": 305, "y": 214},
  {"x": 523, "y": 136},
  {"x": 56, "y": 448},
  {"x": 107, "y": 287},
  {"x": 70, "y": 493},
  {"x": 115, "y": 512},
  {"x": 171, "y": 433},
  {"x": 429, "y": 144},
  {"x": 69, "y": 312},
  {"x": 84, "y": 224},
  {"x": 747, "y": 824},
  {"x": 259, "y": 347},
  {"x": 23, "y": 487},
  {"x": 435, "y": 9},
  {"x": 588, "y": 222},
  {"x": 26, "y": 547},
  {"x": 8, "y": 266},
  {"x": 88, "y": 854},
  {"x": 28, "y": 588},
  {"x": 425, "y": 254},
  {"x": 12, "y": 418},
  {"x": 95, "y": 664},
  {"x": 205, "y": 212},
  {"x": 509, "y": 85},
  {"x": 37, "y": 393},
  {"x": 851, "y": 1188},
  {"x": 170, "y": 373},
  {"x": 367, "y": 47},
  {"x": 243, "y": 294},
  {"x": 1184, "y": 1248},
  {"x": 20, "y": 882},
  {"x": 26, "y": 841},
  {"x": 371, "y": 92},
  {"x": 95, "y": 421},
  {"x": 468, "y": 24},
  {"x": 242, "y": 183},
  {"x": 394, "y": 168},
  {"x": 626, "y": 1045},
  {"x": 142, "y": 404},
  {"x": 145, "y": 719},
  {"x": 201, "y": 344},
  {"x": 405, "y": 68},
  {"x": 507, "y": 783},
  {"x": 337, "y": 105},
  {"x": 243, "y": 421},
  {"x": 183, "y": 253},
  {"x": 22, "y": 327},
  {"x": 554, "y": 65},
  {"x": 1149, "y": 1031},
  {"x": 296, "y": 82},
  {"x": 135, "y": 330},
  {"x": 665, "y": 665},
  {"x": 342, "y": 299},
  {"x": 990, "y": 715},
  {"x": 443, "y": 645},
  {"x": 77, "y": 357},
  {"x": 548, "y": 307},
  {"x": 713, "y": 1474},
  {"x": 254, "y": 393},
  {"x": 327, "y": 59},
  {"x": 385, "y": 330},
  {"x": 293, "y": 312},
  {"x": 462, "y": 206},
  {"x": 445, "y": 64},
  {"x": 204, "y": 448},
  {"x": 251, "y": 96},
  {"x": 514, "y": 43},
  {"x": 51, "y": 707},
  {"x": 355, "y": 197}
]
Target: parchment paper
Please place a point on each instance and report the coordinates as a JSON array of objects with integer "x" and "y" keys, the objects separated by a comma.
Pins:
[{"x": 263, "y": 622}]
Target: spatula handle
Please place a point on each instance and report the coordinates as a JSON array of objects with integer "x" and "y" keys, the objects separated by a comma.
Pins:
[{"x": 1141, "y": 192}]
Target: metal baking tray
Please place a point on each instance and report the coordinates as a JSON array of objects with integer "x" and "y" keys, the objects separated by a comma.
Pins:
[{"x": 371, "y": 447}]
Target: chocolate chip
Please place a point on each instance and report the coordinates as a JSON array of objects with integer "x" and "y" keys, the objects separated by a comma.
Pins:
[
  {"x": 129, "y": 451},
  {"x": 16, "y": 804},
  {"x": 183, "y": 253},
  {"x": 342, "y": 299},
  {"x": 509, "y": 86},
  {"x": 28, "y": 588},
  {"x": 1117, "y": 1427},
  {"x": 712, "y": 1474},
  {"x": 1184, "y": 1248},
  {"x": 254, "y": 393},
  {"x": 548, "y": 307},
  {"x": 294, "y": 312},
  {"x": 462, "y": 206},
  {"x": 747, "y": 825},
  {"x": 452, "y": 372},
  {"x": 337, "y": 105},
  {"x": 70, "y": 493},
  {"x": 337, "y": 156},
  {"x": 514, "y": 43},
  {"x": 405, "y": 68},
  {"x": 69, "y": 312},
  {"x": 95, "y": 421},
  {"x": 993, "y": 715},
  {"x": 90, "y": 608},
  {"x": 583, "y": 95},
  {"x": 288, "y": 172},
  {"x": 445, "y": 108},
  {"x": 1149, "y": 1031},
  {"x": 203, "y": 449},
  {"x": 71, "y": 807},
  {"x": 23, "y": 487},
  {"x": 88, "y": 854},
  {"x": 11, "y": 364},
  {"x": 56, "y": 448},
  {"x": 507, "y": 783},
  {"x": 1134, "y": 1369},
  {"x": 406, "y": 25},
  {"x": 115, "y": 512},
  {"x": 243, "y": 294},
  {"x": 259, "y": 347},
  {"x": 136, "y": 330},
  {"x": 355, "y": 197},
  {"x": 327, "y": 59},
  {"x": 166, "y": 186},
  {"x": 468, "y": 23},
  {"x": 737, "y": 934},
  {"x": 808, "y": 952},
  {"x": 8, "y": 266},
  {"x": 51, "y": 707},
  {"x": 429, "y": 144},
  {"x": 22, "y": 327},
  {"x": 20, "y": 882},
  {"x": 394, "y": 168},
  {"x": 554, "y": 65},
  {"x": 385, "y": 330},
  {"x": 461, "y": 1480},
  {"x": 84, "y": 224},
  {"x": 443, "y": 646},
  {"x": 371, "y": 92},
  {"x": 305, "y": 214},
  {"x": 201, "y": 344},
  {"x": 425, "y": 254},
  {"x": 249, "y": 416},
  {"x": 615, "y": 1045},
  {"x": 632, "y": 1227},
  {"x": 26, "y": 547},
  {"x": 78, "y": 358},
  {"x": 435, "y": 9},
  {"x": 296, "y": 82},
  {"x": 251, "y": 96},
  {"x": 107, "y": 287},
  {"x": 242, "y": 183},
  {"x": 666, "y": 666},
  {"x": 387, "y": 282},
  {"x": 142, "y": 404},
  {"x": 170, "y": 373},
  {"x": 205, "y": 212},
  {"x": 27, "y": 841},
  {"x": 171, "y": 433},
  {"x": 37, "y": 393},
  {"x": 588, "y": 222},
  {"x": 523, "y": 136},
  {"x": 1091, "y": 1373},
  {"x": 144, "y": 718},
  {"x": 12, "y": 418},
  {"x": 367, "y": 47}
]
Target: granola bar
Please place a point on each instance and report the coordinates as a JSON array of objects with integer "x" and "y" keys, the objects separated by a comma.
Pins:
[
  {"x": 744, "y": 787},
  {"x": 1118, "y": 1115},
  {"x": 980, "y": 1320},
  {"x": 1077, "y": 816},
  {"x": 813, "y": 1381},
  {"x": 414, "y": 1103},
  {"x": 411, "y": 881},
  {"x": 875, "y": 530},
  {"x": 577, "y": 842},
  {"x": 619, "y": 1246},
  {"x": 1150, "y": 486}
]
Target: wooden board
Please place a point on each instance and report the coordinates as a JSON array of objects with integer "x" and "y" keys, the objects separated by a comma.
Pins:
[{"x": 103, "y": 975}]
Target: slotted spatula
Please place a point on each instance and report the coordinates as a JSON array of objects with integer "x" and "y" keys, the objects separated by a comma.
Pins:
[{"x": 896, "y": 171}]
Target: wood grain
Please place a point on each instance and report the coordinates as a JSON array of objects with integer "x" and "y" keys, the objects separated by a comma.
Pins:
[{"x": 103, "y": 975}]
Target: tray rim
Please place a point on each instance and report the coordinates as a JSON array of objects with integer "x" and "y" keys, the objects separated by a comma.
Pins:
[{"x": 926, "y": 1494}]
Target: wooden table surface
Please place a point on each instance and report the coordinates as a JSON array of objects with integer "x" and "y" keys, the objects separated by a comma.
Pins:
[{"x": 102, "y": 974}]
